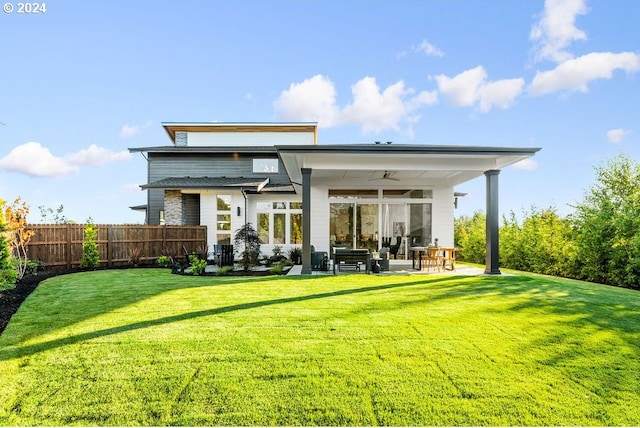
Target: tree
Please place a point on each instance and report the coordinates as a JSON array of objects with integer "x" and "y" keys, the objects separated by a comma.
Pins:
[
  {"x": 48, "y": 215},
  {"x": 90, "y": 256},
  {"x": 470, "y": 237},
  {"x": 247, "y": 238},
  {"x": 16, "y": 218},
  {"x": 607, "y": 225},
  {"x": 8, "y": 272}
]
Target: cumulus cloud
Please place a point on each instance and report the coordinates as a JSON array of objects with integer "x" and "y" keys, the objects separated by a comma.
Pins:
[
  {"x": 617, "y": 135},
  {"x": 526, "y": 165},
  {"x": 556, "y": 29},
  {"x": 427, "y": 48},
  {"x": 312, "y": 100},
  {"x": 95, "y": 156},
  {"x": 575, "y": 74},
  {"x": 128, "y": 131},
  {"x": 373, "y": 109},
  {"x": 37, "y": 161},
  {"x": 471, "y": 87}
]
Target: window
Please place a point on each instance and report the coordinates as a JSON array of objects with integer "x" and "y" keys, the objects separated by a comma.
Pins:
[
  {"x": 223, "y": 219},
  {"x": 279, "y": 222},
  {"x": 265, "y": 165}
]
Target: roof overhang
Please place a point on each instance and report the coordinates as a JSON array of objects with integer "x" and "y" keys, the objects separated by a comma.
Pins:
[
  {"x": 183, "y": 183},
  {"x": 406, "y": 164},
  {"x": 173, "y": 127}
]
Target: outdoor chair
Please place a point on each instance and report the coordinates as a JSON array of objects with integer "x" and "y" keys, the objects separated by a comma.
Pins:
[
  {"x": 393, "y": 249},
  {"x": 431, "y": 259},
  {"x": 319, "y": 260}
]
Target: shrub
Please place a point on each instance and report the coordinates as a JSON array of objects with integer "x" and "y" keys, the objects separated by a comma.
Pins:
[
  {"x": 165, "y": 261},
  {"x": 90, "y": 257},
  {"x": 247, "y": 238},
  {"x": 8, "y": 273},
  {"x": 224, "y": 270},
  {"x": 135, "y": 256},
  {"x": 295, "y": 255},
  {"x": 197, "y": 265},
  {"x": 277, "y": 269}
]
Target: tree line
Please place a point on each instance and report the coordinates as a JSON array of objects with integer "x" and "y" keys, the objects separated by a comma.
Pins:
[{"x": 599, "y": 241}]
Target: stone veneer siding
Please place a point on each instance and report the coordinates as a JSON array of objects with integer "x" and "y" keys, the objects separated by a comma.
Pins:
[{"x": 172, "y": 208}]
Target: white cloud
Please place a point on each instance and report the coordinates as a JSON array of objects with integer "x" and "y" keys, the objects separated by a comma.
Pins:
[
  {"x": 35, "y": 160},
  {"x": 128, "y": 131},
  {"x": 556, "y": 29},
  {"x": 374, "y": 110},
  {"x": 312, "y": 100},
  {"x": 95, "y": 156},
  {"x": 526, "y": 165},
  {"x": 574, "y": 74},
  {"x": 501, "y": 93},
  {"x": 471, "y": 87},
  {"x": 428, "y": 48},
  {"x": 617, "y": 135}
]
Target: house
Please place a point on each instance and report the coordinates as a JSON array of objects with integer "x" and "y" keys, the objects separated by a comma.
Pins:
[{"x": 299, "y": 193}]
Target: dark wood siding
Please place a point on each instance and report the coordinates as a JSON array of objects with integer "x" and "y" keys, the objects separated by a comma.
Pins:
[
  {"x": 165, "y": 165},
  {"x": 191, "y": 209}
]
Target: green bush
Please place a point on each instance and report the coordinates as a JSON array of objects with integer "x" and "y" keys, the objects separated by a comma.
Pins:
[
  {"x": 165, "y": 261},
  {"x": 224, "y": 270},
  {"x": 8, "y": 272},
  {"x": 198, "y": 265},
  {"x": 90, "y": 257}
]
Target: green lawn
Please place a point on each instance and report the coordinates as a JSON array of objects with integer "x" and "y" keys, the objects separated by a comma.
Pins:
[{"x": 145, "y": 347}]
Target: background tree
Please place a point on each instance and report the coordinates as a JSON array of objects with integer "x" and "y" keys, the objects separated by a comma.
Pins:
[
  {"x": 470, "y": 237},
  {"x": 19, "y": 234},
  {"x": 49, "y": 215},
  {"x": 8, "y": 272},
  {"x": 90, "y": 256},
  {"x": 607, "y": 226}
]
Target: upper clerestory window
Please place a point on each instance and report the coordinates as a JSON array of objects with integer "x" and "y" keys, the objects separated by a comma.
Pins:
[{"x": 265, "y": 165}]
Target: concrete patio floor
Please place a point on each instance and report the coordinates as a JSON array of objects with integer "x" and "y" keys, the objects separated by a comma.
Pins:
[{"x": 399, "y": 267}]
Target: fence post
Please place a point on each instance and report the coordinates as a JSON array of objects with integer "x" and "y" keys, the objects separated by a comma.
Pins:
[
  {"x": 68, "y": 246},
  {"x": 109, "y": 246}
]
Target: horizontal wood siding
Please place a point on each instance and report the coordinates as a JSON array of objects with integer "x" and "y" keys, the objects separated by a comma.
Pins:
[{"x": 59, "y": 246}]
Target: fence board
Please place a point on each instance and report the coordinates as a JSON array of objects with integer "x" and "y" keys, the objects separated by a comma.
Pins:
[{"x": 59, "y": 246}]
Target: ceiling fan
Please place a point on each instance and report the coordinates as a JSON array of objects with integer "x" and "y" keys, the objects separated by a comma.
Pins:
[{"x": 386, "y": 176}]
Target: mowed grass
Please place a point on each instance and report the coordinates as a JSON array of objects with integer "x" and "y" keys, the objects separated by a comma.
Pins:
[{"x": 145, "y": 347}]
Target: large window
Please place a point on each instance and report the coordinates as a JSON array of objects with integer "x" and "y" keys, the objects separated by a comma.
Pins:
[{"x": 279, "y": 222}]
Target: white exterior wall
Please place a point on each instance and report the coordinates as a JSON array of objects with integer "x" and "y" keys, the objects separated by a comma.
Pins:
[
  {"x": 209, "y": 212},
  {"x": 442, "y": 212},
  {"x": 248, "y": 139},
  {"x": 320, "y": 218}
]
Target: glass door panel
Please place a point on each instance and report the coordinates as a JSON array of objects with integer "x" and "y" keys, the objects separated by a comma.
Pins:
[
  {"x": 367, "y": 226},
  {"x": 420, "y": 224},
  {"x": 394, "y": 228},
  {"x": 341, "y": 225}
]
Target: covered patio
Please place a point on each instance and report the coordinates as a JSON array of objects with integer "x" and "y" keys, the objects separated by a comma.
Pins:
[{"x": 314, "y": 170}]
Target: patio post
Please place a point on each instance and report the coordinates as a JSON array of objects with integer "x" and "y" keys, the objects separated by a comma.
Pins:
[
  {"x": 492, "y": 265},
  {"x": 306, "y": 221}
]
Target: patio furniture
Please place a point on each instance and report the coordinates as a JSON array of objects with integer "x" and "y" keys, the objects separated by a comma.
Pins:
[
  {"x": 226, "y": 255},
  {"x": 351, "y": 258},
  {"x": 431, "y": 258},
  {"x": 393, "y": 249},
  {"x": 384, "y": 259},
  {"x": 319, "y": 260}
]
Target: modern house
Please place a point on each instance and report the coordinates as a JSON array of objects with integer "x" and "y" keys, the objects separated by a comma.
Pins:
[{"x": 297, "y": 192}]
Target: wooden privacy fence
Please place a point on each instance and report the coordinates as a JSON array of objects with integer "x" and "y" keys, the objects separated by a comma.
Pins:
[{"x": 59, "y": 246}]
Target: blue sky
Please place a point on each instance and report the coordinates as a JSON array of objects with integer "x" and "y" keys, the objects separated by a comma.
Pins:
[{"x": 84, "y": 81}]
